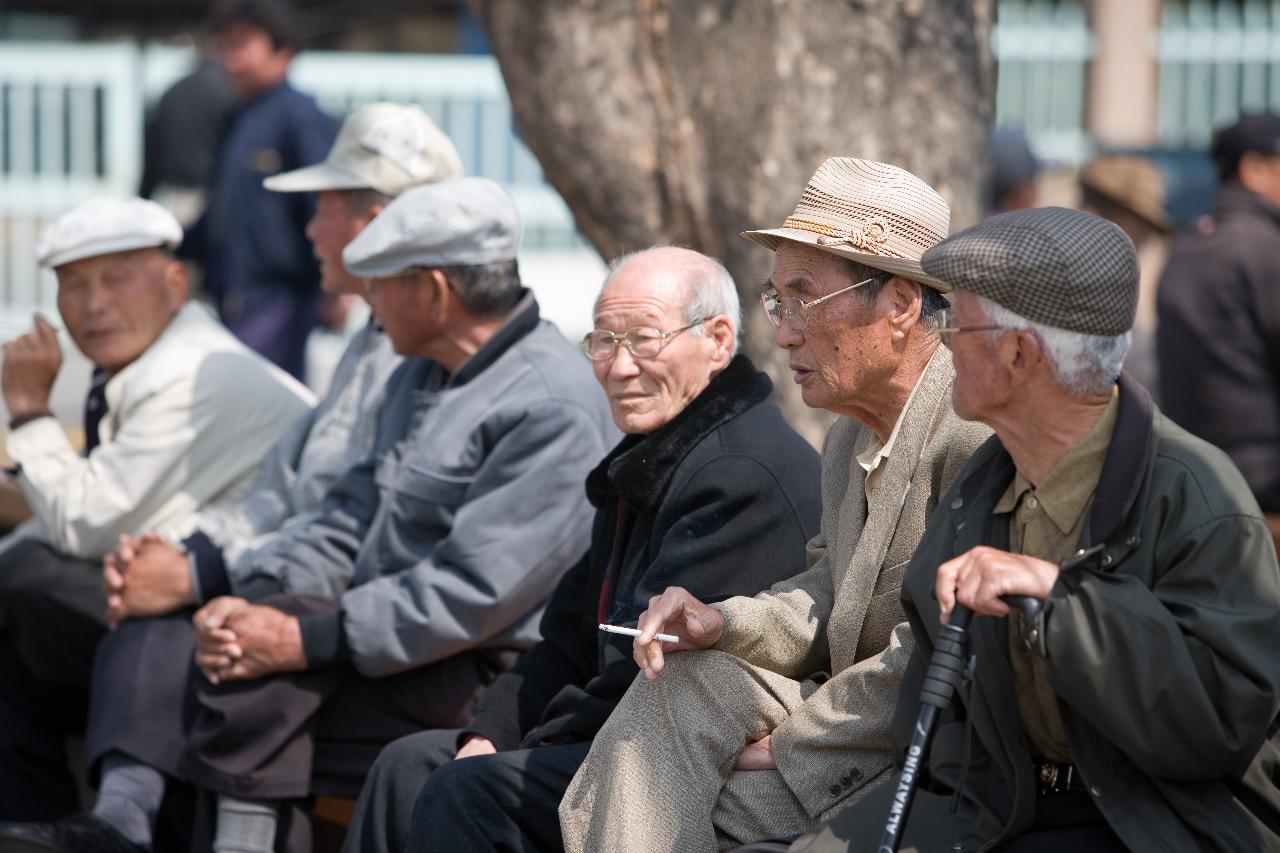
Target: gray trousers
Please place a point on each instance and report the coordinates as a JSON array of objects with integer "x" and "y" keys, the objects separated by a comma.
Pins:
[
  {"x": 660, "y": 773},
  {"x": 418, "y": 798}
]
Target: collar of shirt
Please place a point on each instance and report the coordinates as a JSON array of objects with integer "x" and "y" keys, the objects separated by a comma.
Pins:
[
  {"x": 872, "y": 458},
  {"x": 1067, "y": 489}
]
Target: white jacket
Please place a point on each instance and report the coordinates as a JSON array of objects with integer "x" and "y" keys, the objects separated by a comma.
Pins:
[{"x": 187, "y": 424}]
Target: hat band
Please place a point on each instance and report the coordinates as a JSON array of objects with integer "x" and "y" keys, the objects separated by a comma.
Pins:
[{"x": 867, "y": 236}]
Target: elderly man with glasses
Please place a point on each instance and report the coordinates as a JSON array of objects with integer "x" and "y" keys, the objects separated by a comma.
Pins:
[
  {"x": 709, "y": 489},
  {"x": 781, "y": 715},
  {"x": 1137, "y": 708}
]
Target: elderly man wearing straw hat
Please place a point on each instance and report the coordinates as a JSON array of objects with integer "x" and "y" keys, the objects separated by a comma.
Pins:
[
  {"x": 1137, "y": 710},
  {"x": 774, "y": 711}
]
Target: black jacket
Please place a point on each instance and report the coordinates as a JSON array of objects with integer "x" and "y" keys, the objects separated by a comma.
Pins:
[
  {"x": 721, "y": 501},
  {"x": 1218, "y": 339},
  {"x": 1160, "y": 647}
]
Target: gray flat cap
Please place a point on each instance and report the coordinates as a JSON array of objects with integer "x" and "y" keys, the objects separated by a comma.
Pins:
[
  {"x": 1055, "y": 266},
  {"x": 462, "y": 222}
]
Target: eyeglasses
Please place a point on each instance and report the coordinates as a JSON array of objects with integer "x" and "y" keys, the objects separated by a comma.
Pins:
[
  {"x": 792, "y": 309},
  {"x": 946, "y": 330},
  {"x": 641, "y": 342}
]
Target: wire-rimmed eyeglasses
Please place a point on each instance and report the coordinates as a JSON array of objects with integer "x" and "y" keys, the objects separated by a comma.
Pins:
[
  {"x": 946, "y": 331},
  {"x": 792, "y": 309},
  {"x": 640, "y": 341}
]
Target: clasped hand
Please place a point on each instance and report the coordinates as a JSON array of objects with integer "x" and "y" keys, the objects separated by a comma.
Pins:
[
  {"x": 238, "y": 641},
  {"x": 145, "y": 576}
]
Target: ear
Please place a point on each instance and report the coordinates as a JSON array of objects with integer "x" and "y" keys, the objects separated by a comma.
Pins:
[
  {"x": 721, "y": 333},
  {"x": 369, "y": 214},
  {"x": 904, "y": 302},
  {"x": 435, "y": 295},
  {"x": 1021, "y": 354},
  {"x": 176, "y": 282}
]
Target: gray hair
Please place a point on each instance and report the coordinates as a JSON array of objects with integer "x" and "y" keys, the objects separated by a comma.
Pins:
[
  {"x": 487, "y": 290},
  {"x": 932, "y": 302},
  {"x": 708, "y": 287},
  {"x": 1084, "y": 365}
]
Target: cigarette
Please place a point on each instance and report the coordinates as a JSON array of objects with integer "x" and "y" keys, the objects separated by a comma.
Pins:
[{"x": 632, "y": 632}]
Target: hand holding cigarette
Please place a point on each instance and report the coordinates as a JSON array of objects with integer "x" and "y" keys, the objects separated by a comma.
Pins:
[{"x": 693, "y": 624}]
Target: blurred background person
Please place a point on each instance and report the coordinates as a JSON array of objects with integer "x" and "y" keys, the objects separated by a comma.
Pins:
[
  {"x": 1014, "y": 170},
  {"x": 258, "y": 264},
  {"x": 183, "y": 133},
  {"x": 1218, "y": 338},
  {"x": 1128, "y": 190}
]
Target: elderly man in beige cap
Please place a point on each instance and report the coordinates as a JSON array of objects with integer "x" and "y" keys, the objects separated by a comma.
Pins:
[
  {"x": 781, "y": 715},
  {"x": 1136, "y": 710},
  {"x": 178, "y": 418}
]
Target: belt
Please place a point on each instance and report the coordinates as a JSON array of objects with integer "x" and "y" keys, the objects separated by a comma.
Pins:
[{"x": 1057, "y": 778}]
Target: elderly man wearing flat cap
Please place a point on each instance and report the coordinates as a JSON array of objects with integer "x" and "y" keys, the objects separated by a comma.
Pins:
[
  {"x": 152, "y": 582},
  {"x": 423, "y": 573},
  {"x": 774, "y": 710},
  {"x": 178, "y": 417},
  {"x": 1137, "y": 710}
]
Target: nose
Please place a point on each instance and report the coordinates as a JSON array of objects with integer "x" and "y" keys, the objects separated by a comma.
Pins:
[
  {"x": 623, "y": 365},
  {"x": 310, "y": 230},
  {"x": 787, "y": 336}
]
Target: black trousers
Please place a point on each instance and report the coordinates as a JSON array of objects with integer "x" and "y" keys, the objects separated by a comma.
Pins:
[
  {"x": 418, "y": 798},
  {"x": 51, "y": 619}
]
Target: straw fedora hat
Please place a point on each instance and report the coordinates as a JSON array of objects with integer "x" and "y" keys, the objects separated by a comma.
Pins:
[{"x": 872, "y": 213}]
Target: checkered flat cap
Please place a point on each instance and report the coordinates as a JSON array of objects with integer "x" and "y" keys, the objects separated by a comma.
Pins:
[{"x": 1059, "y": 267}]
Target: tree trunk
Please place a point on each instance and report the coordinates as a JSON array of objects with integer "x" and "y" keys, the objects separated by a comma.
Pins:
[{"x": 688, "y": 121}]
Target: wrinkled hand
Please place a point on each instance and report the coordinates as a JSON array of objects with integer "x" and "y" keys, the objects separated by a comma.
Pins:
[
  {"x": 677, "y": 612},
  {"x": 31, "y": 363},
  {"x": 476, "y": 745},
  {"x": 980, "y": 576},
  {"x": 758, "y": 755},
  {"x": 238, "y": 641},
  {"x": 145, "y": 576}
]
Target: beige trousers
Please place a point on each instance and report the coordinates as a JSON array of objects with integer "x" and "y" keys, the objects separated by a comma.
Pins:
[{"x": 660, "y": 774}]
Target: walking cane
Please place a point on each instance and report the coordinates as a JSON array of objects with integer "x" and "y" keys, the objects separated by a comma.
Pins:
[{"x": 948, "y": 665}]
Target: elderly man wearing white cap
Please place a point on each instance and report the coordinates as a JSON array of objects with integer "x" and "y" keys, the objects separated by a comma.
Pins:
[
  {"x": 178, "y": 419},
  {"x": 774, "y": 710},
  {"x": 423, "y": 574},
  {"x": 382, "y": 150}
]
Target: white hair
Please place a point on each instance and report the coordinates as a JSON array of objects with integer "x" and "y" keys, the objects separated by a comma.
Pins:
[
  {"x": 1084, "y": 365},
  {"x": 709, "y": 288}
]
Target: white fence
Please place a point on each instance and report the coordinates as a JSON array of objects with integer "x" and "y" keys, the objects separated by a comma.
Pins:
[
  {"x": 71, "y": 126},
  {"x": 1216, "y": 58}
]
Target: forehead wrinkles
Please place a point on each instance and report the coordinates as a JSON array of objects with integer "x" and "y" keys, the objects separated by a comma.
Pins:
[{"x": 633, "y": 308}]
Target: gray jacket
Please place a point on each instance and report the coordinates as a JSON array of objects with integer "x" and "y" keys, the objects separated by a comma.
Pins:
[
  {"x": 452, "y": 533},
  {"x": 300, "y": 469}
]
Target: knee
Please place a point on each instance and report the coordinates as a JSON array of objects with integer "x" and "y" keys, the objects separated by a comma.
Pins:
[
  {"x": 457, "y": 784},
  {"x": 410, "y": 757}
]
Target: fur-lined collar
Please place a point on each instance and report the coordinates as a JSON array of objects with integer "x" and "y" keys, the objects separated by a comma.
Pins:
[{"x": 640, "y": 467}]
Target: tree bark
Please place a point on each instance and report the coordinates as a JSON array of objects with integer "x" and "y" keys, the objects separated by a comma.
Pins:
[{"x": 688, "y": 121}]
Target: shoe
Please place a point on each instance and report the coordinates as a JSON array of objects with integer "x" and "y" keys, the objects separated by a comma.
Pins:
[{"x": 79, "y": 833}]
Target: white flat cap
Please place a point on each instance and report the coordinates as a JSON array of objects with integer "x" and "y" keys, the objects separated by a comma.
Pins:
[
  {"x": 102, "y": 226},
  {"x": 383, "y": 147},
  {"x": 463, "y": 222}
]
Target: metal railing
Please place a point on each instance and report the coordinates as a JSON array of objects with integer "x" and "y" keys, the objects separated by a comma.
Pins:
[{"x": 71, "y": 120}]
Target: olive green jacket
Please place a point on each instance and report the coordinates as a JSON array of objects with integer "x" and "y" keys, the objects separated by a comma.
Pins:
[{"x": 1162, "y": 646}]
